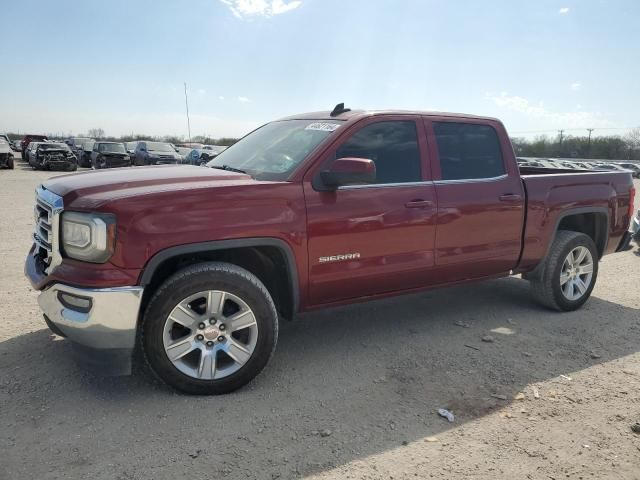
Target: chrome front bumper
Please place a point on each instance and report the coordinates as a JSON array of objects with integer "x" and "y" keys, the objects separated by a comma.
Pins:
[{"x": 101, "y": 323}]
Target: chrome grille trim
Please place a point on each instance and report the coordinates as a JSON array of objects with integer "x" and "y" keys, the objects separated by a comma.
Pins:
[{"x": 47, "y": 212}]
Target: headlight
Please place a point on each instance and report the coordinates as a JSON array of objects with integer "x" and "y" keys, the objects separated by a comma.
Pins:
[{"x": 89, "y": 237}]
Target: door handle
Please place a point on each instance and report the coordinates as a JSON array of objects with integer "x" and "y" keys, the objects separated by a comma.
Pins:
[
  {"x": 510, "y": 197},
  {"x": 418, "y": 203}
]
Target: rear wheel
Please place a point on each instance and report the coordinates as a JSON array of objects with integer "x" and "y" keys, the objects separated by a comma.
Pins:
[
  {"x": 210, "y": 329},
  {"x": 10, "y": 162},
  {"x": 566, "y": 278}
]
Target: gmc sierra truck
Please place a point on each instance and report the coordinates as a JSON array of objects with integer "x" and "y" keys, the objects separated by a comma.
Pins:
[{"x": 194, "y": 267}]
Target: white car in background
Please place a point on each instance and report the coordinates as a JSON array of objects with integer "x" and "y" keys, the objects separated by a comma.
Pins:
[{"x": 6, "y": 154}]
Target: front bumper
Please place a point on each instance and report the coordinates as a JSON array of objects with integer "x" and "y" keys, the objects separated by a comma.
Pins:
[{"x": 102, "y": 329}]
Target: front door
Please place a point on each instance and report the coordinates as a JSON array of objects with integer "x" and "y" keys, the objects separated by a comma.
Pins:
[{"x": 371, "y": 239}]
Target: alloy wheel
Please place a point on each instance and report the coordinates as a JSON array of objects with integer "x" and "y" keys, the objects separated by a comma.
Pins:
[
  {"x": 210, "y": 335},
  {"x": 576, "y": 273}
]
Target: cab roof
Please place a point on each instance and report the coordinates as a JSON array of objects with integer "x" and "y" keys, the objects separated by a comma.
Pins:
[{"x": 353, "y": 115}]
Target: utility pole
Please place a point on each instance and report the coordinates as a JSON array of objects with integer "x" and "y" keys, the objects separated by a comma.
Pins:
[
  {"x": 560, "y": 147},
  {"x": 186, "y": 102},
  {"x": 589, "y": 144}
]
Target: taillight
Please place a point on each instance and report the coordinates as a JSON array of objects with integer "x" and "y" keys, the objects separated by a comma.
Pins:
[{"x": 632, "y": 197}]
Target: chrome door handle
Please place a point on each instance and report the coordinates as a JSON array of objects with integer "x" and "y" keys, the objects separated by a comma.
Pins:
[
  {"x": 418, "y": 204},
  {"x": 510, "y": 197}
]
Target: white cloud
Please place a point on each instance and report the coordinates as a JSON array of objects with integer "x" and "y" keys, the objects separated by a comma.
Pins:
[
  {"x": 563, "y": 10},
  {"x": 243, "y": 99},
  {"x": 221, "y": 98},
  {"x": 261, "y": 8},
  {"x": 547, "y": 117},
  {"x": 575, "y": 86},
  {"x": 202, "y": 91}
]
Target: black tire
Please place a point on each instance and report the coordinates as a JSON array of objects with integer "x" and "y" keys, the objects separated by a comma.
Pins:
[
  {"x": 194, "y": 279},
  {"x": 10, "y": 164},
  {"x": 545, "y": 280}
]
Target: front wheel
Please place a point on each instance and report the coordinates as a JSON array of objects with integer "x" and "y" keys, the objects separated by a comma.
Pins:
[
  {"x": 210, "y": 329},
  {"x": 566, "y": 278}
]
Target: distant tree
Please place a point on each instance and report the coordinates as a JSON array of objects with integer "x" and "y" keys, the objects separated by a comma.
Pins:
[
  {"x": 632, "y": 140},
  {"x": 226, "y": 141},
  {"x": 96, "y": 133}
]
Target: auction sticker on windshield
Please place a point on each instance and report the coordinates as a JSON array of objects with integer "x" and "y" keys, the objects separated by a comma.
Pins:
[{"x": 322, "y": 126}]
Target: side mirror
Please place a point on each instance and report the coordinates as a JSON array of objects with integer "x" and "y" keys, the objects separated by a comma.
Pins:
[{"x": 349, "y": 171}]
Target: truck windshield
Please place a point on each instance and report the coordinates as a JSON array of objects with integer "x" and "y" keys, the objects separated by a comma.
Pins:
[{"x": 274, "y": 150}]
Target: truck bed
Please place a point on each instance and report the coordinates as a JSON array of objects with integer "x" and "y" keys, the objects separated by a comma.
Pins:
[{"x": 553, "y": 194}]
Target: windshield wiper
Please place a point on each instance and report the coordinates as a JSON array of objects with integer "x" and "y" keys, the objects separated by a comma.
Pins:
[{"x": 228, "y": 168}]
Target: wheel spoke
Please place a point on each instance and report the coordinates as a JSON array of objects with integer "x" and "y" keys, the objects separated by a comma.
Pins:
[
  {"x": 570, "y": 259},
  {"x": 580, "y": 285},
  {"x": 585, "y": 269},
  {"x": 567, "y": 289},
  {"x": 215, "y": 302},
  {"x": 564, "y": 277},
  {"x": 206, "y": 366},
  {"x": 184, "y": 316},
  {"x": 179, "y": 349},
  {"x": 582, "y": 252},
  {"x": 237, "y": 351},
  {"x": 241, "y": 320}
]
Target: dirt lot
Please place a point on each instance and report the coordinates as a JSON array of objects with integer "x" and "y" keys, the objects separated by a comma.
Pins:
[{"x": 350, "y": 393}]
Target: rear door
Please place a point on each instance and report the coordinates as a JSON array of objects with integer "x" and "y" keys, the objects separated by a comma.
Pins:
[{"x": 480, "y": 198}]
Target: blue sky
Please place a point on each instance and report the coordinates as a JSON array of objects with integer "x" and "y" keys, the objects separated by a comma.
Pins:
[{"x": 120, "y": 65}]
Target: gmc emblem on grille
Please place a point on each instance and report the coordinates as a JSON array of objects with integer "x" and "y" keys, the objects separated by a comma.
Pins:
[{"x": 339, "y": 258}]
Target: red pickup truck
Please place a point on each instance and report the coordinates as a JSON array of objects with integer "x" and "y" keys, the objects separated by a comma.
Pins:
[{"x": 196, "y": 266}]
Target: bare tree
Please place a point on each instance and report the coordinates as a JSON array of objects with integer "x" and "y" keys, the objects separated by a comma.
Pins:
[{"x": 96, "y": 133}]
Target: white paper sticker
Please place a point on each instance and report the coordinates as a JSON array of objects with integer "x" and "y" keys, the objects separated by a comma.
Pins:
[{"x": 323, "y": 127}]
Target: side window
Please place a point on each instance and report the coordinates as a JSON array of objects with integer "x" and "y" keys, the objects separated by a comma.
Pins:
[
  {"x": 468, "y": 151},
  {"x": 392, "y": 145}
]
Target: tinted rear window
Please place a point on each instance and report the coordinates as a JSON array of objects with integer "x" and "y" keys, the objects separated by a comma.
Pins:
[{"x": 468, "y": 151}]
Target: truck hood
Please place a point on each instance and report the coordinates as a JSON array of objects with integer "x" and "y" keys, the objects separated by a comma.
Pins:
[{"x": 94, "y": 188}]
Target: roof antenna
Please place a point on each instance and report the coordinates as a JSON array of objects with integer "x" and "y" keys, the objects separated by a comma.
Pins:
[{"x": 339, "y": 108}]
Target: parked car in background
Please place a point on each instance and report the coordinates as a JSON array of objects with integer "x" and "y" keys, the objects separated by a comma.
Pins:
[
  {"x": 52, "y": 155},
  {"x": 131, "y": 148},
  {"x": 16, "y": 145},
  {"x": 184, "y": 153},
  {"x": 31, "y": 138},
  {"x": 109, "y": 155},
  {"x": 84, "y": 159},
  {"x": 634, "y": 168},
  {"x": 156, "y": 153},
  {"x": 199, "y": 156},
  {"x": 76, "y": 145},
  {"x": 6, "y": 155},
  {"x": 215, "y": 148},
  {"x": 194, "y": 157}
]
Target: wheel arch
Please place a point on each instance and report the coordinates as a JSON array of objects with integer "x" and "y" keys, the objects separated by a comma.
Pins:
[
  {"x": 270, "y": 259},
  {"x": 592, "y": 221}
]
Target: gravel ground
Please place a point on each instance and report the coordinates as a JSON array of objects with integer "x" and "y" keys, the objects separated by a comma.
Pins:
[{"x": 350, "y": 393}]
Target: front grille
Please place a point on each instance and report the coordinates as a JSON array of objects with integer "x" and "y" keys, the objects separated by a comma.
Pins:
[{"x": 47, "y": 212}]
